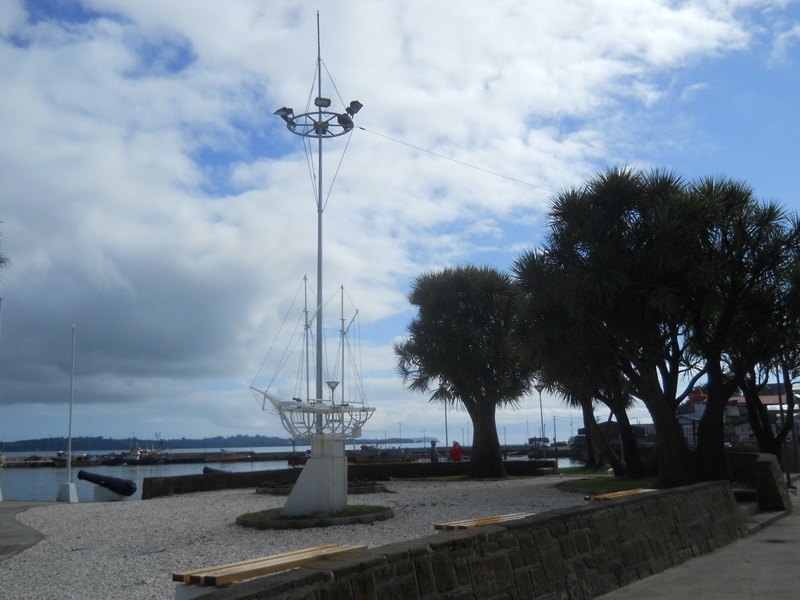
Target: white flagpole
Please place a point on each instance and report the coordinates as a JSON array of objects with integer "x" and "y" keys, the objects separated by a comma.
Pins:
[
  {"x": 67, "y": 492},
  {"x": 71, "y": 396}
]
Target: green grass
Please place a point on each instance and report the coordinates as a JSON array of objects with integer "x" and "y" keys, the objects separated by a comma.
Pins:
[{"x": 355, "y": 510}]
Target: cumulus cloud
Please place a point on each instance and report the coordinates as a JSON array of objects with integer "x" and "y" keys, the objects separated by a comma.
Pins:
[{"x": 150, "y": 197}]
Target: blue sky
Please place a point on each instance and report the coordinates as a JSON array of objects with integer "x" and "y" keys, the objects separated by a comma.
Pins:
[{"x": 149, "y": 196}]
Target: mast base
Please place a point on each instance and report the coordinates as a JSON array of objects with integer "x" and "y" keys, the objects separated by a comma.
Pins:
[
  {"x": 67, "y": 492},
  {"x": 321, "y": 489}
]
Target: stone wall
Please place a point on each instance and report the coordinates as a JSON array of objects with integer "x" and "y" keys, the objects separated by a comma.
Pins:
[
  {"x": 154, "y": 487},
  {"x": 577, "y": 553}
]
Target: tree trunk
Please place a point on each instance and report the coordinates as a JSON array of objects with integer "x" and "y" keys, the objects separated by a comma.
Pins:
[
  {"x": 616, "y": 464},
  {"x": 486, "y": 460},
  {"x": 676, "y": 465},
  {"x": 597, "y": 440},
  {"x": 759, "y": 418},
  {"x": 712, "y": 463},
  {"x": 592, "y": 461},
  {"x": 630, "y": 449}
]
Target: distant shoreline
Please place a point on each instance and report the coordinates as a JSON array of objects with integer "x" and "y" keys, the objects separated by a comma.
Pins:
[{"x": 103, "y": 444}]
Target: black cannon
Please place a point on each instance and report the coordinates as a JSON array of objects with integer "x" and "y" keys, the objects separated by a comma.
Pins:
[
  {"x": 123, "y": 487},
  {"x": 208, "y": 470}
]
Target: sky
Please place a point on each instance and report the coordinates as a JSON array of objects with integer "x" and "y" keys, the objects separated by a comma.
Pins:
[{"x": 151, "y": 202}]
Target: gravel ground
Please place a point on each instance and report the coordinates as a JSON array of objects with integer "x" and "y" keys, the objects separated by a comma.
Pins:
[{"x": 98, "y": 551}]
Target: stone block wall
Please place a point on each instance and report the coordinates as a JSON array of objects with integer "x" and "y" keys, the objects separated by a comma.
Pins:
[
  {"x": 155, "y": 487},
  {"x": 576, "y": 554}
]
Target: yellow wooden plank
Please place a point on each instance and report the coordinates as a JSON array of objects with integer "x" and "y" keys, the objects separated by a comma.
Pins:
[
  {"x": 186, "y": 575},
  {"x": 612, "y": 495},
  {"x": 271, "y": 564},
  {"x": 274, "y": 565},
  {"x": 488, "y": 519},
  {"x": 478, "y": 522}
]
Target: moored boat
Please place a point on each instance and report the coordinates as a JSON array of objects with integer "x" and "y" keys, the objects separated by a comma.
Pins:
[
  {"x": 154, "y": 457},
  {"x": 226, "y": 456},
  {"x": 132, "y": 456},
  {"x": 83, "y": 460},
  {"x": 298, "y": 459},
  {"x": 372, "y": 454},
  {"x": 138, "y": 456}
]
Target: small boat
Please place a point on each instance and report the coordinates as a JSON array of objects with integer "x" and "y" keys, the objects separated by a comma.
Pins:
[
  {"x": 371, "y": 454},
  {"x": 226, "y": 456},
  {"x": 138, "y": 456},
  {"x": 298, "y": 459},
  {"x": 112, "y": 459},
  {"x": 154, "y": 456},
  {"x": 84, "y": 460}
]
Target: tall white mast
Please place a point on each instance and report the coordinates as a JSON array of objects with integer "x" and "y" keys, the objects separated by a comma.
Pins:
[
  {"x": 321, "y": 123},
  {"x": 317, "y": 415},
  {"x": 320, "y": 117},
  {"x": 321, "y": 488}
]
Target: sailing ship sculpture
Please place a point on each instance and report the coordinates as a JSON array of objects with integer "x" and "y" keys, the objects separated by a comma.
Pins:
[{"x": 321, "y": 488}]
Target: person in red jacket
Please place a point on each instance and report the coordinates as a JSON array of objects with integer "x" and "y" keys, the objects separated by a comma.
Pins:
[{"x": 456, "y": 453}]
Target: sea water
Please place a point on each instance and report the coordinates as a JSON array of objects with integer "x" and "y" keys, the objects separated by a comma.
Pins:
[{"x": 42, "y": 483}]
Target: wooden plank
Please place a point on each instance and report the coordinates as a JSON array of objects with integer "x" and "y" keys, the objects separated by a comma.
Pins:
[
  {"x": 276, "y": 564},
  {"x": 612, "y": 495},
  {"x": 478, "y": 522},
  {"x": 224, "y": 574},
  {"x": 185, "y": 576}
]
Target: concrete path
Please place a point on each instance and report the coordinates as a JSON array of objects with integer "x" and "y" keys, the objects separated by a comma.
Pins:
[
  {"x": 763, "y": 565},
  {"x": 14, "y": 536}
]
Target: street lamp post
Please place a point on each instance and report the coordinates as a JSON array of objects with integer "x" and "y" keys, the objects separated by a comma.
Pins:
[{"x": 539, "y": 387}]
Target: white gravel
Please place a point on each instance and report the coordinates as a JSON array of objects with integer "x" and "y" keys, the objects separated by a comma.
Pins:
[{"x": 130, "y": 549}]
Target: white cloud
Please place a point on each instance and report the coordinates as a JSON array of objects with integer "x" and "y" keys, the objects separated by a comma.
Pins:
[
  {"x": 785, "y": 42},
  {"x": 151, "y": 197}
]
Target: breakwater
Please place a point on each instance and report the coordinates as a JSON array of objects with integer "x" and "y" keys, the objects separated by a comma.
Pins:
[
  {"x": 155, "y": 487},
  {"x": 273, "y": 454},
  {"x": 176, "y": 458}
]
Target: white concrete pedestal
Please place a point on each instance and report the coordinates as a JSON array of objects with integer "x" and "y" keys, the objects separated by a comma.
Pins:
[
  {"x": 321, "y": 489},
  {"x": 67, "y": 492}
]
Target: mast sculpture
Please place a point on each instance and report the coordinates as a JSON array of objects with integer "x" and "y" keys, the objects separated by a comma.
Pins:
[{"x": 321, "y": 488}]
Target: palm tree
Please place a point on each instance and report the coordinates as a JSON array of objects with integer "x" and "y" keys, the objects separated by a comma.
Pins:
[
  {"x": 616, "y": 246},
  {"x": 742, "y": 311},
  {"x": 460, "y": 349},
  {"x": 573, "y": 356}
]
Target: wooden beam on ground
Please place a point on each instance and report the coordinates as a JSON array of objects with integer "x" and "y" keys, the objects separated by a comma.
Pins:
[
  {"x": 479, "y": 522},
  {"x": 612, "y": 495},
  {"x": 257, "y": 567}
]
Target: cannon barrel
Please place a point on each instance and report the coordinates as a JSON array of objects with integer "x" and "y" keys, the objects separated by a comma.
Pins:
[
  {"x": 124, "y": 487},
  {"x": 207, "y": 470}
]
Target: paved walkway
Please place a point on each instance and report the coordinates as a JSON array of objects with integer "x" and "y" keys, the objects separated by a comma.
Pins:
[
  {"x": 763, "y": 565},
  {"x": 14, "y": 536}
]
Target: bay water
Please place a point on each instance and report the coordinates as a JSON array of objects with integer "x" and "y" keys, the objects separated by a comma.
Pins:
[{"x": 42, "y": 483}]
